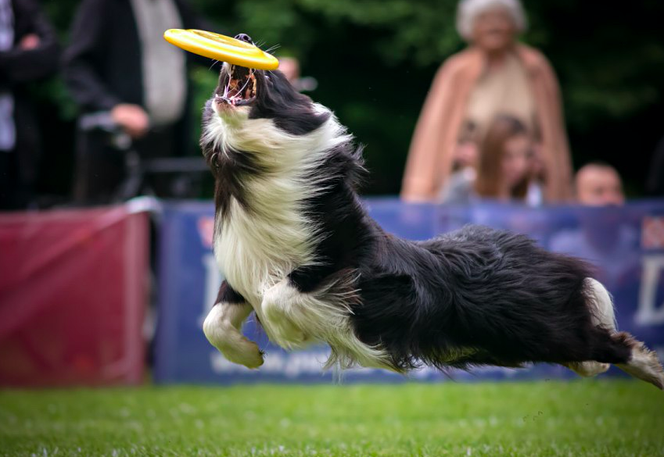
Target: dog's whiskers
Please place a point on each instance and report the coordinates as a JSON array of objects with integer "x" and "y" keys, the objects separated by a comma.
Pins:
[
  {"x": 214, "y": 62},
  {"x": 273, "y": 48}
]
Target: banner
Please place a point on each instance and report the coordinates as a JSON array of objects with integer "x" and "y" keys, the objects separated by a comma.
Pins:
[
  {"x": 73, "y": 289},
  {"x": 626, "y": 245}
]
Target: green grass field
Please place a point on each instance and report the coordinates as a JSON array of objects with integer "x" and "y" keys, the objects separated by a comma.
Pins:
[{"x": 581, "y": 418}]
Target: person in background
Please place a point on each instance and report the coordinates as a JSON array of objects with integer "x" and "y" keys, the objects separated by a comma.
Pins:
[
  {"x": 290, "y": 67},
  {"x": 599, "y": 184},
  {"x": 459, "y": 188},
  {"x": 29, "y": 51},
  {"x": 466, "y": 152},
  {"x": 603, "y": 238},
  {"x": 494, "y": 75},
  {"x": 118, "y": 62},
  {"x": 538, "y": 172},
  {"x": 503, "y": 169}
]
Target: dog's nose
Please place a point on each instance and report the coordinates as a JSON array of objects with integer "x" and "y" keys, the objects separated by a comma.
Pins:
[{"x": 244, "y": 37}]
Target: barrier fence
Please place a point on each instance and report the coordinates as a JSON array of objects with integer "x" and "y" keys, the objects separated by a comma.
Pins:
[
  {"x": 74, "y": 289},
  {"x": 626, "y": 244}
]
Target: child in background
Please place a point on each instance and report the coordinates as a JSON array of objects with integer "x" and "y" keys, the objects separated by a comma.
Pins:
[
  {"x": 464, "y": 166},
  {"x": 466, "y": 152},
  {"x": 503, "y": 167}
]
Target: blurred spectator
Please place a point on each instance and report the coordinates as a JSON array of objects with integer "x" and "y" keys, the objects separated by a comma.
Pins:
[
  {"x": 503, "y": 171},
  {"x": 290, "y": 67},
  {"x": 28, "y": 51},
  {"x": 466, "y": 152},
  {"x": 599, "y": 184},
  {"x": 118, "y": 62},
  {"x": 495, "y": 74},
  {"x": 601, "y": 237},
  {"x": 537, "y": 171}
]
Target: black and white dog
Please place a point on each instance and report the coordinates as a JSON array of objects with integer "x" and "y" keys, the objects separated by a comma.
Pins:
[{"x": 298, "y": 249}]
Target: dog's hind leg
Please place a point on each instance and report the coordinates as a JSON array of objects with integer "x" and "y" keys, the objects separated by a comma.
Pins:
[
  {"x": 588, "y": 369},
  {"x": 641, "y": 362},
  {"x": 600, "y": 304},
  {"x": 603, "y": 315},
  {"x": 222, "y": 328}
]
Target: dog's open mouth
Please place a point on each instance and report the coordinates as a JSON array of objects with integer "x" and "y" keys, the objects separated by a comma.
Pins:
[{"x": 240, "y": 88}]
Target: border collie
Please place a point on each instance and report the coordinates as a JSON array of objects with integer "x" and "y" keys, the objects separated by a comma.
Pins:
[{"x": 297, "y": 248}]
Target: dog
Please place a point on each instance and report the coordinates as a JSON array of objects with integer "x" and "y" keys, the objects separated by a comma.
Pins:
[{"x": 297, "y": 247}]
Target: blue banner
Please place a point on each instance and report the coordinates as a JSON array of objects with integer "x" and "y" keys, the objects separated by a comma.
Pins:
[{"x": 626, "y": 244}]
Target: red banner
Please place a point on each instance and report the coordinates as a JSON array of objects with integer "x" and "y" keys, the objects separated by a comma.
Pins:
[{"x": 73, "y": 290}]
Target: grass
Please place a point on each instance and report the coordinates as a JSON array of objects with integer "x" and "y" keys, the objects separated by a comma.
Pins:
[{"x": 582, "y": 418}]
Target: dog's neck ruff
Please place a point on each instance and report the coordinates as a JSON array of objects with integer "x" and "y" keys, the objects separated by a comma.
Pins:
[{"x": 259, "y": 244}]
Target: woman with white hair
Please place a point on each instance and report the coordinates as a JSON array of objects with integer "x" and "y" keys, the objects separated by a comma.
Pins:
[{"x": 495, "y": 75}]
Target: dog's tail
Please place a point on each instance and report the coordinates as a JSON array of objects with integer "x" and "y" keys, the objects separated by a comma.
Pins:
[{"x": 641, "y": 362}]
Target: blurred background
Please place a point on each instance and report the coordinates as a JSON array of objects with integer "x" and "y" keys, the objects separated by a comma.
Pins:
[
  {"x": 542, "y": 117},
  {"x": 100, "y": 286},
  {"x": 374, "y": 62}
]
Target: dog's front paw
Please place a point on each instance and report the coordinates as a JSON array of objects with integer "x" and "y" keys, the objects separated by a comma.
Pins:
[
  {"x": 280, "y": 309},
  {"x": 246, "y": 353},
  {"x": 229, "y": 340},
  {"x": 285, "y": 334}
]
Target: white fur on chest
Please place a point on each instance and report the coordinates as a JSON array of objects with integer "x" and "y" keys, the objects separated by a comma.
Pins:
[
  {"x": 256, "y": 252},
  {"x": 257, "y": 248}
]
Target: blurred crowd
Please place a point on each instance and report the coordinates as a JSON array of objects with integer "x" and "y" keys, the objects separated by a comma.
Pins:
[
  {"x": 132, "y": 89},
  {"x": 492, "y": 125}
]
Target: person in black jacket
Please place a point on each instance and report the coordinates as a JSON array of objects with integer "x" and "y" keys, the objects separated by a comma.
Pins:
[
  {"x": 29, "y": 51},
  {"x": 118, "y": 62}
]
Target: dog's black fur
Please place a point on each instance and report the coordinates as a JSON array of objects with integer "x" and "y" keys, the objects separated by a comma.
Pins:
[
  {"x": 492, "y": 291},
  {"x": 476, "y": 296}
]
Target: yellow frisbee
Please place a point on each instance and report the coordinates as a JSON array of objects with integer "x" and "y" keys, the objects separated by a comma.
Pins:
[{"x": 221, "y": 47}]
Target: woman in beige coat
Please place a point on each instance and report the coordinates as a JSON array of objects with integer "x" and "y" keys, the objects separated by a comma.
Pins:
[{"x": 495, "y": 75}]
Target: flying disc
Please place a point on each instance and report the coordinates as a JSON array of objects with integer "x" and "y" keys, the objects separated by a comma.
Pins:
[{"x": 221, "y": 47}]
